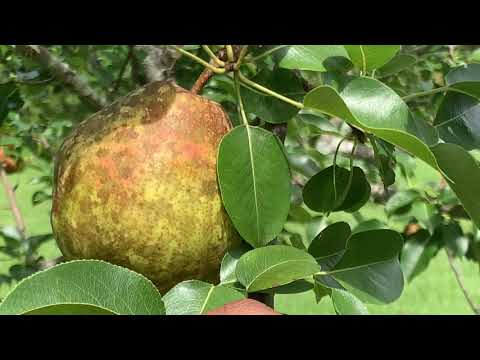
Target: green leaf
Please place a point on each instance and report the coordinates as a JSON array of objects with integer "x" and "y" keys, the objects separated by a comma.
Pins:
[
  {"x": 371, "y": 57},
  {"x": 347, "y": 304},
  {"x": 10, "y": 99},
  {"x": 229, "y": 263},
  {"x": 79, "y": 286},
  {"x": 311, "y": 57},
  {"x": 463, "y": 176},
  {"x": 380, "y": 283},
  {"x": 328, "y": 282},
  {"x": 457, "y": 120},
  {"x": 368, "y": 267},
  {"x": 475, "y": 56},
  {"x": 417, "y": 252},
  {"x": 395, "y": 65},
  {"x": 358, "y": 194},
  {"x": 195, "y": 297},
  {"x": 331, "y": 241},
  {"x": 372, "y": 224},
  {"x": 273, "y": 266},
  {"x": 37, "y": 240},
  {"x": 454, "y": 239},
  {"x": 300, "y": 298},
  {"x": 385, "y": 160},
  {"x": 319, "y": 193},
  {"x": 70, "y": 309},
  {"x": 373, "y": 107},
  {"x": 465, "y": 79},
  {"x": 369, "y": 247},
  {"x": 306, "y": 229},
  {"x": 268, "y": 108},
  {"x": 254, "y": 180},
  {"x": 40, "y": 197},
  {"x": 401, "y": 200},
  {"x": 302, "y": 163}
]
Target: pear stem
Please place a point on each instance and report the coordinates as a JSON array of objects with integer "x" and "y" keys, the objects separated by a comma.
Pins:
[
  {"x": 263, "y": 89},
  {"x": 239, "y": 98},
  {"x": 213, "y": 56},
  {"x": 201, "y": 81}
]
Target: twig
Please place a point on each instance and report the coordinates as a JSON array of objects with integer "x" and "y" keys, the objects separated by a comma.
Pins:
[
  {"x": 64, "y": 73},
  {"x": 458, "y": 276},
  {"x": 122, "y": 70},
  {"x": 20, "y": 223}
]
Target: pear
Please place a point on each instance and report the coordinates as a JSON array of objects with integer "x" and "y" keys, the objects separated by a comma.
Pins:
[{"x": 136, "y": 185}]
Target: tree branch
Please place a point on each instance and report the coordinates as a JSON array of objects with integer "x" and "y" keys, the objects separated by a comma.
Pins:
[
  {"x": 458, "y": 276},
  {"x": 63, "y": 72},
  {"x": 20, "y": 223}
]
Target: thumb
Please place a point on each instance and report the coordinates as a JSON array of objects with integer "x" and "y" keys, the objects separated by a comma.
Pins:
[{"x": 244, "y": 307}]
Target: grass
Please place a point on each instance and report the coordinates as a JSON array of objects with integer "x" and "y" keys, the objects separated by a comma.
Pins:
[
  {"x": 433, "y": 292},
  {"x": 37, "y": 219}
]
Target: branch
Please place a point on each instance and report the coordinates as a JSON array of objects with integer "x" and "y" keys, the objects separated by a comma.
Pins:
[
  {"x": 63, "y": 72},
  {"x": 20, "y": 223},
  {"x": 458, "y": 276}
]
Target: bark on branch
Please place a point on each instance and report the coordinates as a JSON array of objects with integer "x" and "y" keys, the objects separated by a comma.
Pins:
[{"x": 64, "y": 73}]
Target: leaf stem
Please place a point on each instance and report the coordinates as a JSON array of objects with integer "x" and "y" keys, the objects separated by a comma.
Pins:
[
  {"x": 268, "y": 91},
  {"x": 230, "y": 55},
  {"x": 334, "y": 167},
  {"x": 214, "y": 69},
  {"x": 426, "y": 93},
  {"x": 266, "y": 53},
  {"x": 239, "y": 98},
  {"x": 213, "y": 56},
  {"x": 364, "y": 62},
  {"x": 242, "y": 55}
]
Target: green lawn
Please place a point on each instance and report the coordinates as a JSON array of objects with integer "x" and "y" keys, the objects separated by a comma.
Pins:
[
  {"x": 37, "y": 219},
  {"x": 433, "y": 292}
]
